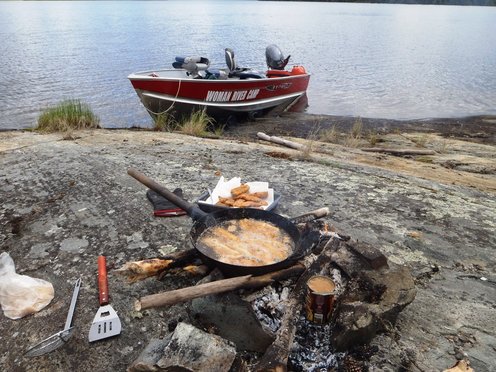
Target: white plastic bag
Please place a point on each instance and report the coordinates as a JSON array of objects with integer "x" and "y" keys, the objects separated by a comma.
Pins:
[{"x": 21, "y": 295}]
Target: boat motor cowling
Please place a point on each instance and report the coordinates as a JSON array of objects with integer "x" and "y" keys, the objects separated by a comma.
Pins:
[{"x": 274, "y": 57}]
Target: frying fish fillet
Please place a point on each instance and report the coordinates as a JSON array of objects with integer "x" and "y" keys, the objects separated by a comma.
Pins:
[
  {"x": 247, "y": 242},
  {"x": 265, "y": 228},
  {"x": 219, "y": 248}
]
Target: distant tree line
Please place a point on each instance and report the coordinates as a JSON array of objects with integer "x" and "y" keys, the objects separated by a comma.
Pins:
[{"x": 434, "y": 2}]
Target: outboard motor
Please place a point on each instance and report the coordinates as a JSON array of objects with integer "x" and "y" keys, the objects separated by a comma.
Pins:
[
  {"x": 275, "y": 58},
  {"x": 193, "y": 65}
]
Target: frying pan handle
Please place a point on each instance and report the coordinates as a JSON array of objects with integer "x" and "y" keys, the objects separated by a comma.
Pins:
[
  {"x": 194, "y": 212},
  {"x": 102, "y": 281}
]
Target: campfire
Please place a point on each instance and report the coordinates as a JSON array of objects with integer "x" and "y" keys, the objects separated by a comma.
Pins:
[
  {"x": 266, "y": 318},
  {"x": 311, "y": 309}
]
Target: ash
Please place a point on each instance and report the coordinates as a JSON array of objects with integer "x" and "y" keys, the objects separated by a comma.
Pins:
[
  {"x": 270, "y": 306},
  {"x": 312, "y": 350}
]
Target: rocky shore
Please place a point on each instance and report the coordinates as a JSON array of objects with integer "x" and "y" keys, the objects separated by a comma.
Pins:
[{"x": 64, "y": 202}]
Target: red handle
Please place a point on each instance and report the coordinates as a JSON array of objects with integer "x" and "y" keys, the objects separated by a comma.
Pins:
[{"x": 102, "y": 281}]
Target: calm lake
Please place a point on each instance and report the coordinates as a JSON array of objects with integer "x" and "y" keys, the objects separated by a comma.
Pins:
[{"x": 371, "y": 60}]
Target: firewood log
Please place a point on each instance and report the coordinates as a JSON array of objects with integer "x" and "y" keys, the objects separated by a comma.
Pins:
[{"x": 220, "y": 286}]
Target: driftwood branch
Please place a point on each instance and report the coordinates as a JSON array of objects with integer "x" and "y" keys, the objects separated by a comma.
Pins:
[
  {"x": 299, "y": 146},
  {"x": 311, "y": 216},
  {"x": 280, "y": 141},
  {"x": 276, "y": 356},
  {"x": 220, "y": 286},
  {"x": 399, "y": 152}
]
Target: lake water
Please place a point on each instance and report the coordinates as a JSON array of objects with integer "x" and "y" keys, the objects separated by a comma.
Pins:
[{"x": 371, "y": 60}]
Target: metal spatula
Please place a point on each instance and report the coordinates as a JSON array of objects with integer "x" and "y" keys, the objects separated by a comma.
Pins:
[
  {"x": 106, "y": 322},
  {"x": 60, "y": 338}
]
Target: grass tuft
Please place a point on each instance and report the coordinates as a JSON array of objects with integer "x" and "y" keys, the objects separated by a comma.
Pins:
[
  {"x": 164, "y": 123},
  {"x": 196, "y": 124},
  {"x": 421, "y": 141},
  {"x": 329, "y": 135},
  {"x": 312, "y": 136},
  {"x": 373, "y": 138},
  {"x": 218, "y": 131},
  {"x": 356, "y": 130},
  {"x": 353, "y": 139},
  {"x": 67, "y": 116},
  {"x": 444, "y": 146}
]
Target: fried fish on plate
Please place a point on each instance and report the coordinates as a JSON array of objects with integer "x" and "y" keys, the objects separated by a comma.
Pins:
[{"x": 244, "y": 188}]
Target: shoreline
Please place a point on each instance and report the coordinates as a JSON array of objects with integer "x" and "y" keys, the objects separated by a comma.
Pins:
[
  {"x": 463, "y": 151},
  {"x": 479, "y": 128}
]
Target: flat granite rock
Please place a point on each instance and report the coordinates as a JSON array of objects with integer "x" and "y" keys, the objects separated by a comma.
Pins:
[
  {"x": 192, "y": 349},
  {"x": 417, "y": 213}
]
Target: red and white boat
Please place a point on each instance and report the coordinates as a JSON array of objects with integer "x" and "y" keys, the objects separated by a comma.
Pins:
[{"x": 192, "y": 85}]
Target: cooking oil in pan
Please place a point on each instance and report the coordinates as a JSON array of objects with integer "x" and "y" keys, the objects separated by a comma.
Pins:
[{"x": 246, "y": 242}]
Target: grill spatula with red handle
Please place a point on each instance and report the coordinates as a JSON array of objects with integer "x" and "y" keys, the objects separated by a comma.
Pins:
[{"x": 106, "y": 322}]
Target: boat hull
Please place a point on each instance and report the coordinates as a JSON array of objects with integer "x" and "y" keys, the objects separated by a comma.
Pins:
[{"x": 175, "y": 96}]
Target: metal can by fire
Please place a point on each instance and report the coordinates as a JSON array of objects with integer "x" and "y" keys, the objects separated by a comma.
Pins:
[{"x": 319, "y": 299}]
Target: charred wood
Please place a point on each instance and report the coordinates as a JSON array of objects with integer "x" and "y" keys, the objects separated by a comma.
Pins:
[{"x": 138, "y": 270}]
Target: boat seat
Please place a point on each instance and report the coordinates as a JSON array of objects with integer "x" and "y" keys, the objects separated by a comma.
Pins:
[
  {"x": 193, "y": 65},
  {"x": 235, "y": 71}
]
